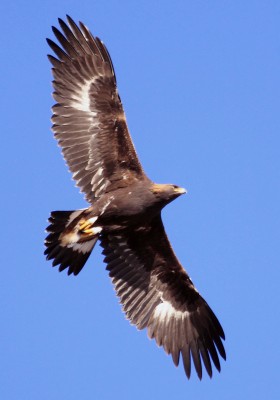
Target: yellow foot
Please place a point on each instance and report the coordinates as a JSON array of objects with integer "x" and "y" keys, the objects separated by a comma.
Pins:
[
  {"x": 86, "y": 225},
  {"x": 92, "y": 231}
]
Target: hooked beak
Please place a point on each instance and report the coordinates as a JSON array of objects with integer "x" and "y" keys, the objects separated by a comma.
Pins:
[{"x": 180, "y": 190}]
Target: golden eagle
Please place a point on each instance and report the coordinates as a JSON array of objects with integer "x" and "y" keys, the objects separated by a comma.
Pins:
[{"x": 125, "y": 206}]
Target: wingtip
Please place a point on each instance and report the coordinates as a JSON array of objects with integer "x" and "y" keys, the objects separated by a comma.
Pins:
[
  {"x": 70, "y": 20},
  {"x": 54, "y": 29}
]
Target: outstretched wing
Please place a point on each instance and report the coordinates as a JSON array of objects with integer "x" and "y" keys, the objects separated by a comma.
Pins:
[
  {"x": 88, "y": 119},
  {"x": 156, "y": 293}
]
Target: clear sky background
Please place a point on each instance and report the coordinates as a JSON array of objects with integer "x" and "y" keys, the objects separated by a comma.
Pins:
[{"x": 200, "y": 85}]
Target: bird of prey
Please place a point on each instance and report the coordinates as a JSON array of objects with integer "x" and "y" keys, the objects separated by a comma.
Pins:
[{"x": 124, "y": 211}]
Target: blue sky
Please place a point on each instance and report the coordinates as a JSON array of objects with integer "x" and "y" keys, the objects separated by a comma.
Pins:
[{"x": 200, "y": 85}]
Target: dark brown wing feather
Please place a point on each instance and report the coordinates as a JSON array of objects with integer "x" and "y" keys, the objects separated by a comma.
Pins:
[
  {"x": 156, "y": 293},
  {"x": 88, "y": 119}
]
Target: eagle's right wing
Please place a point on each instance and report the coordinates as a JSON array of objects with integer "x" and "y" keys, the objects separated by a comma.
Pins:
[{"x": 156, "y": 292}]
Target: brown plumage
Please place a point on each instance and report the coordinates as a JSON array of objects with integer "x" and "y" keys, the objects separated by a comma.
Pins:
[{"x": 125, "y": 207}]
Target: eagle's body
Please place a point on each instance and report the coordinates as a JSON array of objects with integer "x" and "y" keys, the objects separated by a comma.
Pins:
[
  {"x": 141, "y": 201},
  {"x": 125, "y": 207}
]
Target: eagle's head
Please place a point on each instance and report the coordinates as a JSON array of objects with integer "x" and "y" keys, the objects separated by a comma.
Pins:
[{"x": 167, "y": 192}]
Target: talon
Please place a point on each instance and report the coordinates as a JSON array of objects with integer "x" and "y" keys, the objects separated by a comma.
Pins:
[
  {"x": 92, "y": 231},
  {"x": 87, "y": 231}
]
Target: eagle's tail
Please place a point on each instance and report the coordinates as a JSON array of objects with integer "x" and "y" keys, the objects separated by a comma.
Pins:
[{"x": 71, "y": 239}]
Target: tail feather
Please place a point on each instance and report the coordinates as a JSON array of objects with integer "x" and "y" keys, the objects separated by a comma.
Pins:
[{"x": 64, "y": 245}]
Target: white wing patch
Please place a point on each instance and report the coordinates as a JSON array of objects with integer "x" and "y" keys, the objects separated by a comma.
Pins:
[
  {"x": 165, "y": 311},
  {"x": 82, "y": 100}
]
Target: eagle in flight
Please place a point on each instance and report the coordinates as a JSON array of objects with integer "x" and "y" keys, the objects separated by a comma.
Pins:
[{"x": 125, "y": 206}]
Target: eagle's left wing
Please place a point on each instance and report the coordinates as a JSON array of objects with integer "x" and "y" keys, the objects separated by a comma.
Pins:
[
  {"x": 156, "y": 292},
  {"x": 88, "y": 119}
]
